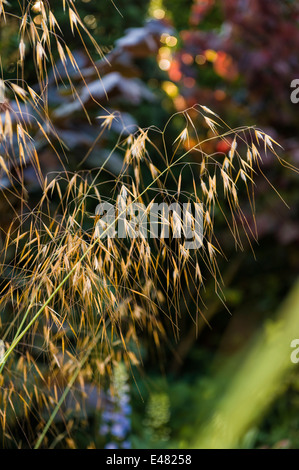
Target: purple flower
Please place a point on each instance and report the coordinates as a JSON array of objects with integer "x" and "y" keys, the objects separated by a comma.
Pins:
[
  {"x": 117, "y": 412},
  {"x": 111, "y": 445},
  {"x": 124, "y": 400},
  {"x": 126, "y": 445},
  {"x": 108, "y": 416},
  {"x": 124, "y": 422},
  {"x": 104, "y": 429},
  {"x": 126, "y": 409},
  {"x": 117, "y": 430}
]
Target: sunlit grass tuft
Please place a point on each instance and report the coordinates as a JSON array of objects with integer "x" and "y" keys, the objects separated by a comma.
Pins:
[{"x": 74, "y": 302}]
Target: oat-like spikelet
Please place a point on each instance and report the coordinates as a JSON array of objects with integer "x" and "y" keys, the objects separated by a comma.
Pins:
[{"x": 40, "y": 38}]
